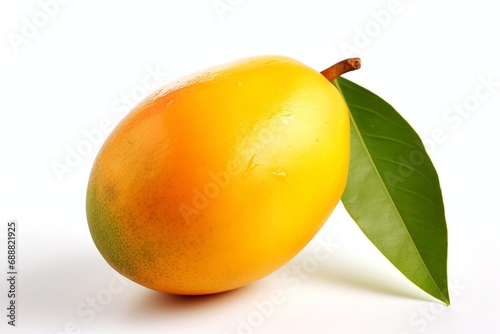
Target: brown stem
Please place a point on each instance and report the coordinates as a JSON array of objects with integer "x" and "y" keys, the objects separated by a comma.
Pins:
[{"x": 344, "y": 66}]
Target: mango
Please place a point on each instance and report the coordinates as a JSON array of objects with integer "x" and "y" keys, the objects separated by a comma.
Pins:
[{"x": 219, "y": 178}]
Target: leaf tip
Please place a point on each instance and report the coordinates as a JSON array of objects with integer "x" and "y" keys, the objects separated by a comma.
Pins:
[{"x": 445, "y": 297}]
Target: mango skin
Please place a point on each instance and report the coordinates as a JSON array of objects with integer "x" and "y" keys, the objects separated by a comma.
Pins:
[{"x": 218, "y": 179}]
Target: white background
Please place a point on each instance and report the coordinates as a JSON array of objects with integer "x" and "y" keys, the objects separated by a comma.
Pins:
[{"x": 74, "y": 71}]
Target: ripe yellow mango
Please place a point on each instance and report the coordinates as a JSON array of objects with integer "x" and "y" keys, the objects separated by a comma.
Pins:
[{"x": 218, "y": 179}]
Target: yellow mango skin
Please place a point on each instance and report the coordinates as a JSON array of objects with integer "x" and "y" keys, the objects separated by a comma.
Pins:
[{"x": 220, "y": 178}]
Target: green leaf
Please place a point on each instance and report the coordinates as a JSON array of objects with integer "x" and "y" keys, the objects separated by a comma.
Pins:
[{"x": 393, "y": 191}]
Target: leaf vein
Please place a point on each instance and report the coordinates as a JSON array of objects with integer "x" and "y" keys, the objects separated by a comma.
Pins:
[
  {"x": 378, "y": 114},
  {"x": 388, "y": 138}
]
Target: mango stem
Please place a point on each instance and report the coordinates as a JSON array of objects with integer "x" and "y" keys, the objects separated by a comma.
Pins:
[{"x": 344, "y": 66}]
